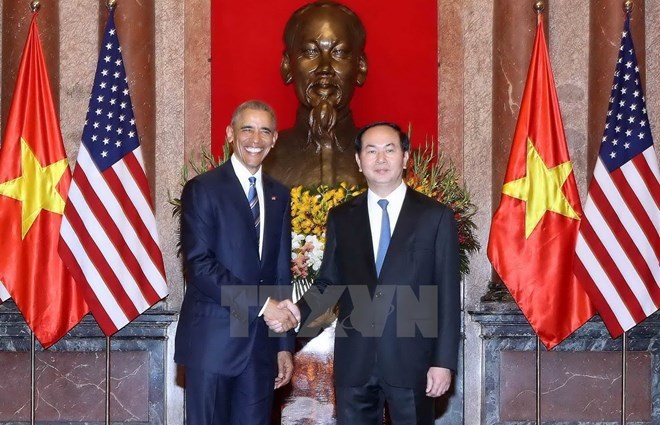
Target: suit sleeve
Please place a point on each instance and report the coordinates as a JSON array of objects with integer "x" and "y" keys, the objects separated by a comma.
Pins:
[
  {"x": 447, "y": 277},
  {"x": 287, "y": 342},
  {"x": 313, "y": 300},
  {"x": 198, "y": 232}
]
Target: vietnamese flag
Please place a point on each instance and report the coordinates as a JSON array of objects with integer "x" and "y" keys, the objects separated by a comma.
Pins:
[
  {"x": 34, "y": 181},
  {"x": 534, "y": 230}
]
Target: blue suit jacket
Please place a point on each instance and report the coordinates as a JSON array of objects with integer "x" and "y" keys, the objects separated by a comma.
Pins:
[
  {"x": 227, "y": 283},
  {"x": 377, "y": 313}
]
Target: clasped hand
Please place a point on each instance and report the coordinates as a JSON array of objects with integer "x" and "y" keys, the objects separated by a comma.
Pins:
[{"x": 281, "y": 316}]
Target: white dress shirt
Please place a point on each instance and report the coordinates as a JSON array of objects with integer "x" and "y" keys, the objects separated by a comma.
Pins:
[
  {"x": 244, "y": 178},
  {"x": 395, "y": 200}
]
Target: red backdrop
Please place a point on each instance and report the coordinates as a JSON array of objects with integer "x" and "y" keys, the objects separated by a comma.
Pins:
[{"x": 401, "y": 85}]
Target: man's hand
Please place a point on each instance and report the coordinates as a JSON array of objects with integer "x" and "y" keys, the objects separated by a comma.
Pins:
[
  {"x": 438, "y": 380},
  {"x": 288, "y": 304},
  {"x": 284, "y": 368},
  {"x": 278, "y": 317}
]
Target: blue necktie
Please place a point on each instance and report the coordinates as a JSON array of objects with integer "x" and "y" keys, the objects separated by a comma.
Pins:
[
  {"x": 253, "y": 199},
  {"x": 384, "y": 240}
]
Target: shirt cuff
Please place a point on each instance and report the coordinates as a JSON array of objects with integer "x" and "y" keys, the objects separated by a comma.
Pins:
[{"x": 263, "y": 309}]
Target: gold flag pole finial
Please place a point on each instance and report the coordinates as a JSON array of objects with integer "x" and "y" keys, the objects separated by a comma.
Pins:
[
  {"x": 110, "y": 4},
  {"x": 627, "y": 6},
  {"x": 538, "y": 7},
  {"x": 35, "y": 6}
]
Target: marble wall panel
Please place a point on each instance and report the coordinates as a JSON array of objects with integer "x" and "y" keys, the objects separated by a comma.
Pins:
[
  {"x": 14, "y": 392},
  {"x": 580, "y": 380}
]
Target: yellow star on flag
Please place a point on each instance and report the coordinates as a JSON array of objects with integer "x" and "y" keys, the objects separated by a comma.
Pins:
[
  {"x": 541, "y": 189},
  {"x": 36, "y": 188}
]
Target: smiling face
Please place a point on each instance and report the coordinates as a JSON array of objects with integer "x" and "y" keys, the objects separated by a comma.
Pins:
[
  {"x": 252, "y": 135},
  {"x": 325, "y": 59},
  {"x": 382, "y": 159}
]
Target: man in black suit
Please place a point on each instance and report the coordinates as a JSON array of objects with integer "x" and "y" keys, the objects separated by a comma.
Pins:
[
  {"x": 236, "y": 242},
  {"x": 391, "y": 261}
]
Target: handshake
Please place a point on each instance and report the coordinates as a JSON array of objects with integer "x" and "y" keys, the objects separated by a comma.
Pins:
[{"x": 281, "y": 316}]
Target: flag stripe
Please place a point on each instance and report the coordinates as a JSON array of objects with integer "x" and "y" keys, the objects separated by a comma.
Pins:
[
  {"x": 632, "y": 227},
  {"x": 626, "y": 253},
  {"x": 633, "y": 204},
  {"x": 134, "y": 165},
  {"x": 609, "y": 318},
  {"x": 144, "y": 247},
  {"x": 648, "y": 189},
  {"x": 135, "y": 207},
  {"x": 106, "y": 315},
  {"x": 115, "y": 205},
  {"x": 89, "y": 237},
  {"x": 108, "y": 235},
  {"x": 612, "y": 263}
]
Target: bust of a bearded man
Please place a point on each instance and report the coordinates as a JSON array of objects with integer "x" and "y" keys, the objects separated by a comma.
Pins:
[{"x": 324, "y": 59}]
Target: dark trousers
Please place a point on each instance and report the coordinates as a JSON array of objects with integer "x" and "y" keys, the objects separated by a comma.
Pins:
[
  {"x": 214, "y": 399},
  {"x": 364, "y": 405}
]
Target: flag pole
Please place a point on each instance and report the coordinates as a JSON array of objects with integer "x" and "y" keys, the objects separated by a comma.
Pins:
[
  {"x": 107, "y": 380},
  {"x": 538, "y": 380},
  {"x": 34, "y": 6},
  {"x": 110, "y": 5},
  {"x": 33, "y": 384},
  {"x": 539, "y": 6},
  {"x": 627, "y": 8},
  {"x": 624, "y": 360}
]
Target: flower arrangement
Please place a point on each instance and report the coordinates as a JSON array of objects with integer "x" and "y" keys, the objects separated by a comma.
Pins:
[
  {"x": 309, "y": 213},
  {"x": 430, "y": 174}
]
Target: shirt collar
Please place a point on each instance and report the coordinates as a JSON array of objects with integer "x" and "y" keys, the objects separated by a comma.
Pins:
[
  {"x": 395, "y": 198},
  {"x": 243, "y": 173}
]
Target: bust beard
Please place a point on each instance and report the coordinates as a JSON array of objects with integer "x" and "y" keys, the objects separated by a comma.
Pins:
[{"x": 322, "y": 122}]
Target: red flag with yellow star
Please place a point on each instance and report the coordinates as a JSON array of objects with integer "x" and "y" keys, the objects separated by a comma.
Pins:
[
  {"x": 534, "y": 230},
  {"x": 34, "y": 181}
]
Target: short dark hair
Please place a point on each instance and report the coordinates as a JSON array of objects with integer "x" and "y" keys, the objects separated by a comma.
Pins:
[
  {"x": 403, "y": 137},
  {"x": 255, "y": 105},
  {"x": 296, "y": 20}
]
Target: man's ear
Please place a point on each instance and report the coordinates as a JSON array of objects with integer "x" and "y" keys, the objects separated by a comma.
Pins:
[
  {"x": 229, "y": 134},
  {"x": 285, "y": 69},
  {"x": 362, "y": 70}
]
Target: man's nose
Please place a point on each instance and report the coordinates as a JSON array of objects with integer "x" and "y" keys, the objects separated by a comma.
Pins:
[
  {"x": 380, "y": 156},
  {"x": 325, "y": 62}
]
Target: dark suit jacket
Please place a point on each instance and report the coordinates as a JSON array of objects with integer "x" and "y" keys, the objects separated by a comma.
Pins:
[
  {"x": 382, "y": 327},
  {"x": 227, "y": 283}
]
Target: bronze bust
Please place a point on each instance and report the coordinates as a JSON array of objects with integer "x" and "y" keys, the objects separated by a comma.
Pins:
[{"x": 324, "y": 59}]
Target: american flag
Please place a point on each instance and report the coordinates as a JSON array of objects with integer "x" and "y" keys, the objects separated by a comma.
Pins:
[
  {"x": 618, "y": 248},
  {"x": 108, "y": 238}
]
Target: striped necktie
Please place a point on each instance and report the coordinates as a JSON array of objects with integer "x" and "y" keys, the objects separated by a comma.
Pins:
[
  {"x": 253, "y": 199},
  {"x": 384, "y": 240}
]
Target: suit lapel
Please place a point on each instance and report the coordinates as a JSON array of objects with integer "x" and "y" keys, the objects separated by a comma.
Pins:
[
  {"x": 362, "y": 229},
  {"x": 234, "y": 191},
  {"x": 404, "y": 229},
  {"x": 270, "y": 217}
]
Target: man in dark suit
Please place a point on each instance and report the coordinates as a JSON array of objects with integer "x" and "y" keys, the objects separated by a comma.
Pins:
[
  {"x": 391, "y": 259},
  {"x": 236, "y": 242}
]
